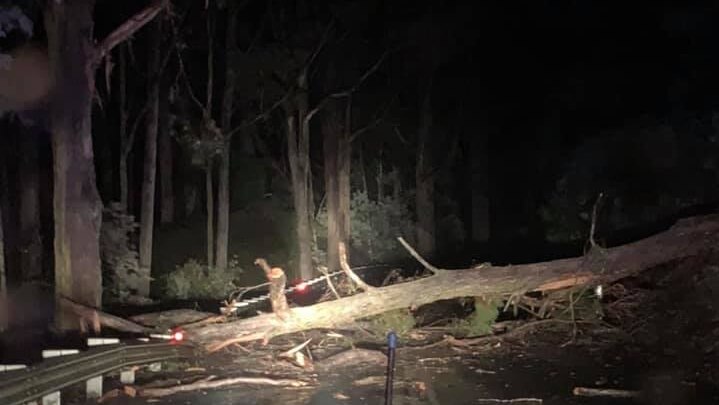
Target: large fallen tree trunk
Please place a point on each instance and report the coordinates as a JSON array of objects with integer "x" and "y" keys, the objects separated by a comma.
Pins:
[{"x": 686, "y": 238}]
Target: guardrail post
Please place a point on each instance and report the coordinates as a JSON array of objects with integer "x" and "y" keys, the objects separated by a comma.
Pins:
[
  {"x": 127, "y": 376},
  {"x": 93, "y": 386},
  {"x": 51, "y": 399},
  {"x": 54, "y": 398}
]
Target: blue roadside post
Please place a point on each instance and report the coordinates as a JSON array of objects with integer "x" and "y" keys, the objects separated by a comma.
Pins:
[{"x": 391, "y": 347}]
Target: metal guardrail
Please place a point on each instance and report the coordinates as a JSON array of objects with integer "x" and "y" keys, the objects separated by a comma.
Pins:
[{"x": 52, "y": 375}]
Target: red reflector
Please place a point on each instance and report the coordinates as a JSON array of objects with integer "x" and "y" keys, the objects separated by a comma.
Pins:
[
  {"x": 301, "y": 286},
  {"x": 178, "y": 336}
]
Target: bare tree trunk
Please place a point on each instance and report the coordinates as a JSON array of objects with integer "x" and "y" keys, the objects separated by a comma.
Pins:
[
  {"x": 301, "y": 181},
  {"x": 210, "y": 197},
  {"x": 344, "y": 164},
  {"x": 124, "y": 141},
  {"x": 4, "y": 321},
  {"x": 77, "y": 205},
  {"x": 228, "y": 98},
  {"x": 147, "y": 215},
  {"x": 166, "y": 155},
  {"x": 298, "y": 156},
  {"x": 480, "y": 188},
  {"x": 30, "y": 241},
  {"x": 209, "y": 126},
  {"x": 424, "y": 179},
  {"x": 332, "y": 131}
]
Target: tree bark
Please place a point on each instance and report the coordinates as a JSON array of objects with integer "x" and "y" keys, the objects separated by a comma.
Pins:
[
  {"x": 298, "y": 151},
  {"x": 30, "y": 242},
  {"x": 479, "y": 173},
  {"x": 687, "y": 238},
  {"x": 124, "y": 141},
  {"x": 331, "y": 129},
  {"x": 77, "y": 205},
  {"x": 228, "y": 103},
  {"x": 424, "y": 178},
  {"x": 4, "y": 321},
  {"x": 210, "y": 198},
  {"x": 337, "y": 153},
  {"x": 147, "y": 214},
  {"x": 166, "y": 155}
]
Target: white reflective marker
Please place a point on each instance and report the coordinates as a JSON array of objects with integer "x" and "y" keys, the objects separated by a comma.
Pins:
[
  {"x": 12, "y": 367},
  {"x": 102, "y": 341},
  {"x": 46, "y": 354}
]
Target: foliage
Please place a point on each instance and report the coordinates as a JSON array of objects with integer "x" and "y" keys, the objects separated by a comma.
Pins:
[
  {"x": 646, "y": 174},
  {"x": 478, "y": 322},
  {"x": 196, "y": 280},
  {"x": 13, "y": 18},
  {"x": 401, "y": 321},
  {"x": 120, "y": 263},
  {"x": 375, "y": 226}
]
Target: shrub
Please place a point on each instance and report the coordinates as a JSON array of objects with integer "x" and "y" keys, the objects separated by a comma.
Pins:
[
  {"x": 196, "y": 280},
  {"x": 480, "y": 321},
  {"x": 375, "y": 225},
  {"x": 401, "y": 321},
  {"x": 120, "y": 263}
]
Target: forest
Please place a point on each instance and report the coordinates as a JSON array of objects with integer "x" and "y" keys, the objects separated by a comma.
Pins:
[{"x": 494, "y": 164}]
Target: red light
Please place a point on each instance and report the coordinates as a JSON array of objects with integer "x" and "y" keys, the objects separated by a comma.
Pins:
[
  {"x": 301, "y": 286},
  {"x": 178, "y": 336}
]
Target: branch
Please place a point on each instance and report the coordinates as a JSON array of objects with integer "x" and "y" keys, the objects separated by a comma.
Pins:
[
  {"x": 417, "y": 256},
  {"x": 347, "y": 92},
  {"x": 127, "y": 29},
  {"x": 259, "y": 117},
  {"x": 351, "y": 274}
]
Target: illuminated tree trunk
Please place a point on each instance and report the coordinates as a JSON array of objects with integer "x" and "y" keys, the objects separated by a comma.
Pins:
[
  {"x": 337, "y": 151},
  {"x": 147, "y": 214},
  {"x": 424, "y": 179},
  {"x": 298, "y": 151},
  {"x": 228, "y": 98},
  {"x": 77, "y": 205}
]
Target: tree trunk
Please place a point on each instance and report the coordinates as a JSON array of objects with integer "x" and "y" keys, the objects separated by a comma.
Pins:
[
  {"x": 210, "y": 197},
  {"x": 31, "y": 253},
  {"x": 298, "y": 151},
  {"x": 166, "y": 155},
  {"x": 77, "y": 205},
  {"x": 228, "y": 103},
  {"x": 332, "y": 131},
  {"x": 344, "y": 161},
  {"x": 124, "y": 141},
  {"x": 147, "y": 214},
  {"x": 4, "y": 321},
  {"x": 479, "y": 187},
  {"x": 687, "y": 238},
  {"x": 424, "y": 179}
]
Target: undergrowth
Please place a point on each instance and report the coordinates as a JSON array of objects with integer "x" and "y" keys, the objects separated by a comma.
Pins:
[{"x": 196, "y": 280}]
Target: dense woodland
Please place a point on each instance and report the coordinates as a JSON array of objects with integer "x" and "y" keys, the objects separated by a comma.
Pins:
[{"x": 153, "y": 149}]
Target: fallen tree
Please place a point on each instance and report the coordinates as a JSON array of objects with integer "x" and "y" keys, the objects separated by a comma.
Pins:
[{"x": 688, "y": 237}]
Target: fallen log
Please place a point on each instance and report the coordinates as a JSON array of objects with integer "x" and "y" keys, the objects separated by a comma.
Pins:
[{"x": 688, "y": 237}]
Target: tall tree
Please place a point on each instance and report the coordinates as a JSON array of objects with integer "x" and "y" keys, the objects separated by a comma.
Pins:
[
  {"x": 228, "y": 105},
  {"x": 3, "y": 276},
  {"x": 77, "y": 205},
  {"x": 31, "y": 252},
  {"x": 73, "y": 58},
  {"x": 298, "y": 153},
  {"x": 424, "y": 178},
  {"x": 166, "y": 160},
  {"x": 147, "y": 214}
]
